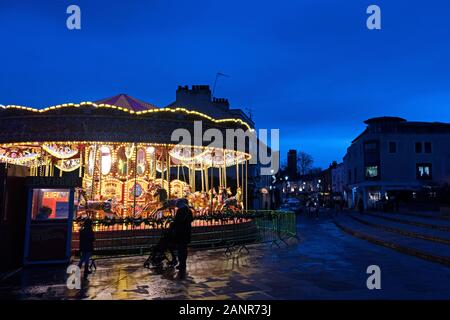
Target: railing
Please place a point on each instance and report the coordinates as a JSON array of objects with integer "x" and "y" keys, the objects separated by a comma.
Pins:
[{"x": 229, "y": 230}]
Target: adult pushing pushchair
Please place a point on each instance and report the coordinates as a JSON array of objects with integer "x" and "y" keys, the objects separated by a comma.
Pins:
[{"x": 163, "y": 251}]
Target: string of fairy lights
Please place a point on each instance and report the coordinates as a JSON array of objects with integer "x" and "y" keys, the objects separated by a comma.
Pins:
[{"x": 138, "y": 113}]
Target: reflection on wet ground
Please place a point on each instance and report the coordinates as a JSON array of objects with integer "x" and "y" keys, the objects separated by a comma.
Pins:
[{"x": 324, "y": 264}]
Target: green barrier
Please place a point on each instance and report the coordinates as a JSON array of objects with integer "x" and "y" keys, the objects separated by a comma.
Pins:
[
  {"x": 228, "y": 230},
  {"x": 276, "y": 226}
]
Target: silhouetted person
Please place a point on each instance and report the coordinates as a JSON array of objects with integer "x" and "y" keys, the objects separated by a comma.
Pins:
[
  {"x": 87, "y": 239},
  {"x": 182, "y": 230},
  {"x": 361, "y": 206}
]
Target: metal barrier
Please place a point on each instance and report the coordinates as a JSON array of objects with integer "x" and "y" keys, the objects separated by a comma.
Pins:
[{"x": 232, "y": 231}]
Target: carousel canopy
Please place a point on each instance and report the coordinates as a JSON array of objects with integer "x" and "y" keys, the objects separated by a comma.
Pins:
[{"x": 127, "y": 102}]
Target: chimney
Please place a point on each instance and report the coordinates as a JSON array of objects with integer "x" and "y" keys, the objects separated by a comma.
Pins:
[
  {"x": 221, "y": 103},
  {"x": 198, "y": 94}
]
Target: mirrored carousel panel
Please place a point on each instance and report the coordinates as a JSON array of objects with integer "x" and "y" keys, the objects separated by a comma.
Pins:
[{"x": 139, "y": 179}]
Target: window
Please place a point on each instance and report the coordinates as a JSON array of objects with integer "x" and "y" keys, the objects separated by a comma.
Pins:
[
  {"x": 392, "y": 147},
  {"x": 427, "y": 147},
  {"x": 370, "y": 146},
  {"x": 371, "y": 153},
  {"x": 50, "y": 204},
  {"x": 349, "y": 176},
  {"x": 418, "y": 147},
  {"x": 423, "y": 171},
  {"x": 371, "y": 172}
]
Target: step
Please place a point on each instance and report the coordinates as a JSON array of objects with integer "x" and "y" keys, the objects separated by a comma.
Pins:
[
  {"x": 434, "y": 252},
  {"x": 430, "y": 216},
  {"x": 405, "y": 229},
  {"x": 412, "y": 220}
]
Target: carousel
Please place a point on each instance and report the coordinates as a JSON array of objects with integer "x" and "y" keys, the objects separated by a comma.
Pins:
[
  {"x": 124, "y": 158},
  {"x": 137, "y": 179}
]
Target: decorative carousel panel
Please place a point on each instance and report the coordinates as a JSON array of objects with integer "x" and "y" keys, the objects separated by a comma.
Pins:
[
  {"x": 141, "y": 162},
  {"x": 68, "y": 165},
  {"x": 106, "y": 159},
  {"x": 162, "y": 183},
  {"x": 177, "y": 188},
  {"x": 112, "y": 189},
  {"x": 160, "y": 166},
  {"x": 122, "y": 162},
  {"x": 129, "y": 151},
  {"x": 61, "y": 151},
  {"x": 91, "y": 161},
  {"x": 187, "y": 154},
  {"x": 18, "y": 154},
  {"x": 87, "y": 185},
  {"x": 137, "y": 189}
]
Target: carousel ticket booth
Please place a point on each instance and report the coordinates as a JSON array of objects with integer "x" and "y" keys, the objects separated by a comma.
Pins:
[{"x": 50, "y": 211}]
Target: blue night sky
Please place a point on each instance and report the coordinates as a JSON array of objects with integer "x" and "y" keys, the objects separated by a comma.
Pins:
[{"x": 308, "y": 67}]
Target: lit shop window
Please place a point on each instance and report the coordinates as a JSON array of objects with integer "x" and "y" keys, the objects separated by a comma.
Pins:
[
  {"x": 106, "y": 160},
  {"x": 50, "y": 204},
  {"x": 423, "y": 171},
  {"x": 371, "y": 172},
  {"x": 374, "y": 196}
]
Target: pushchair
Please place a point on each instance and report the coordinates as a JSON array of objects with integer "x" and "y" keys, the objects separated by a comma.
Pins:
[{"x": 163, "y": 251}]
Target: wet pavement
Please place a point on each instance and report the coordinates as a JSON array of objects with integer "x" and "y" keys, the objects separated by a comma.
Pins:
[{"x": 324, "y": 264}]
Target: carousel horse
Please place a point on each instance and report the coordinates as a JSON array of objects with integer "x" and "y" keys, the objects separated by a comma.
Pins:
[
  {"x": 238, "y": 197},
  {"x": 203, "y": 208},
  {"x": 212, "y": 199},
  {"x": 187, "y": 191},
  {"x": 221, "y": 198},
  {"x": 107, "y": 208},
  {"x": 200, "y": 202},
  {"x": 156, "y": 200},
  {"x": 234, "y": 203}
]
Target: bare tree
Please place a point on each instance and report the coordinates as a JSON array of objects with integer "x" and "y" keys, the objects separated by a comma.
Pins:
[{"x": 304, "y": 162}]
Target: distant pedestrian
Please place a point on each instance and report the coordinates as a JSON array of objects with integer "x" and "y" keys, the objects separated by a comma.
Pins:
[
  {"x": 182, "y": 230},
  {"x": 361, "y": 206},
  {"x": 87, "y": 239}
]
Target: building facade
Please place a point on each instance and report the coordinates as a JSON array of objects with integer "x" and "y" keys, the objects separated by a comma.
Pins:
[
  {"x": 199, "y": 97},
  {"x": 393, "y": 156},
  {"x": 338, "y": 179}
]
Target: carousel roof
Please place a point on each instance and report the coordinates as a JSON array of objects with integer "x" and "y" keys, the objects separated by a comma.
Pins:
[{"x": 127, "y": 102}]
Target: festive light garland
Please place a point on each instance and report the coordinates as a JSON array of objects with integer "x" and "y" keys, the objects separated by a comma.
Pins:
[
  {"x": 104, "y": 105},
  {"x": 18, "y": 155},
  {"x": 60, "y": 151},
  {"x": 68, "y": 165}
]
